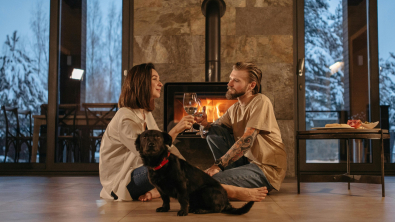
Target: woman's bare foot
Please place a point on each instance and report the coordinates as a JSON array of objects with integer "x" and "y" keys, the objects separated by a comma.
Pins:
[
  {"x": 152, "y": 194},
  {"x": 245, "y": 194}
]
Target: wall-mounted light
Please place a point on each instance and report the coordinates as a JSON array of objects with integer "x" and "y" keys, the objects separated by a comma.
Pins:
[{"x": 77, "y": 74}]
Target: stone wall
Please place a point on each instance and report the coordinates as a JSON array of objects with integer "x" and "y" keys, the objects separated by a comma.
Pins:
[{"x": 170, "y": 34}]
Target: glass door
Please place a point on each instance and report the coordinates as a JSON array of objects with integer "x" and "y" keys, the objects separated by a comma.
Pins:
[
  {"x": 23, "y": 78},
  {"x": 91, "y": 44},
  {"x": 42, "y": 53},
  {"x": 91, "y": 41},
  {"x": 387, "y": 72},
  {"x": 335, "y": 80}
]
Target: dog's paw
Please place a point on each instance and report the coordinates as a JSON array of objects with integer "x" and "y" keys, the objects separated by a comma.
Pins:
[
  {"x": 162, "y": 209},
  {"x": 200, "y": 211},
  {"x": 182, "y": 213},
  {"x": 191, "y": 210}
]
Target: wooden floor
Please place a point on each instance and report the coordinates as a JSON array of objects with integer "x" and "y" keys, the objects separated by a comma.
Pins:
[{"x": 58, "y": 199}]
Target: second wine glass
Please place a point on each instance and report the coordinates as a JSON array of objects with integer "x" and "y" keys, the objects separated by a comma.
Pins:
[{"x": 191, "y": 105}]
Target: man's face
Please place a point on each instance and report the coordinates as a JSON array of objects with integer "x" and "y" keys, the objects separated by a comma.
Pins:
[{"x": 238, "y": 84}]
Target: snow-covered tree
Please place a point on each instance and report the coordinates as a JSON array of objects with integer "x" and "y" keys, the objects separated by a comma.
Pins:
[
  {"x": 323, "y": 48},
  {"x": 104, "y": 51},
  {"x": 39, "y": 25},
  {"x": 94, "y": 63},
  {"x": 387, "y": 85},
  {"x": 20, "y": 84},
  {"x": 114, "y": 51}
]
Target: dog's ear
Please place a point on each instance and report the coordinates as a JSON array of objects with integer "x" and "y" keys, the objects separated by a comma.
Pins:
[
  {"x": 137, "y": 142},
  {"x": 167, "y": 139}
]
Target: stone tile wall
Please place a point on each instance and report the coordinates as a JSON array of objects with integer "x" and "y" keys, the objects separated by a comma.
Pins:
[{"x": 170, "y": 34}]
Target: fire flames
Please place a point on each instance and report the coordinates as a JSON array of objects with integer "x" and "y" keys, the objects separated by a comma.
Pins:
[{"x": 214, "y": 108}]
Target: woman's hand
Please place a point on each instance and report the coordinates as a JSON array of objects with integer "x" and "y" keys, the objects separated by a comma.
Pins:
[
  {"x": 185, "y": 123},
  {"x": 212, "y": 170}
]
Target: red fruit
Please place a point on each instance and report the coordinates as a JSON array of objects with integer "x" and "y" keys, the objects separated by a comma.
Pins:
[{"x": 355, "y": 123}]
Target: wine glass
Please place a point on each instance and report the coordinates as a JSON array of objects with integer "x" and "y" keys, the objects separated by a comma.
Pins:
[{"x": 191, "y": 105}]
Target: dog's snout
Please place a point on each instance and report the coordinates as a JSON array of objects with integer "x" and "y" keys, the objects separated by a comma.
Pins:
[{"x": 151, "y": 144}]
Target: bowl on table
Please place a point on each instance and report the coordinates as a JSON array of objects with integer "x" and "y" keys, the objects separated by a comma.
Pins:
[{"x": 370, "y": 125}]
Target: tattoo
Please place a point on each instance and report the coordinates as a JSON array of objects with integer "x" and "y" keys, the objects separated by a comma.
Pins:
[{"x": 240, "y": 147}]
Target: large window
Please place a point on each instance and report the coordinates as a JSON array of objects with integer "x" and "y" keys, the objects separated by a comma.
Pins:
[
  {"x": 90, "y": 35},
  {"x": 103, "y": 51},
  {"x": 24, "y": 39},
  {"x": 387, "y": 66},
  {"x": 324, "y": 73},
  {"x": 91, "y": 41},
  {"x": 45, "y": 44},
  {"x": 338, "y": 83}
]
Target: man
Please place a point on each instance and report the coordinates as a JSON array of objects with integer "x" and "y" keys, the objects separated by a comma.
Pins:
[{"x": 257, "y": 158}]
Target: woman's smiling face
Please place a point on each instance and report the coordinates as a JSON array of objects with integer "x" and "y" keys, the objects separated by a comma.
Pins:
[{"x": 156, "y": 85}]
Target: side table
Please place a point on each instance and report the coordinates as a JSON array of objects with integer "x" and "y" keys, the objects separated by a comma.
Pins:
[{"x": 341, "y": 134}]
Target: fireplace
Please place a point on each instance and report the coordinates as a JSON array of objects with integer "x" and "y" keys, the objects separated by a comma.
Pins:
[{"x": 212, "y": 95}]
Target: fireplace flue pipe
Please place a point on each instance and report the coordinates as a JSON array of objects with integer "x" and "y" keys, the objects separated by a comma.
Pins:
[{"x": 213, "y": 10}]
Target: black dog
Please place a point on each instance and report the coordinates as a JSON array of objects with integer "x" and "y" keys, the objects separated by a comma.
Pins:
[{"x": 196, "y": 191}]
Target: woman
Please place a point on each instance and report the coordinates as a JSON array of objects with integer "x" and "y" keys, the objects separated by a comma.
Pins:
[
  {"x": 121, "y": 169},
  {"x": 122, "y": 173}
]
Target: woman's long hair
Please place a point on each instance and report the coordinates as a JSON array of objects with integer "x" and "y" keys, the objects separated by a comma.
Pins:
[{"x": 136, "y": 88}]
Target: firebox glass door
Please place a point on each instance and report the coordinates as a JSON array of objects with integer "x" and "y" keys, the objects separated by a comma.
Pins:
[{"x": 216, "y": 105}]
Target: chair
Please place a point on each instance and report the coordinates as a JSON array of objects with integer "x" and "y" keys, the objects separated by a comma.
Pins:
[
  {"x": 14, "y": 134},
  {"x": 98, "y": 115},
  {"x": 68, "y": 134}
]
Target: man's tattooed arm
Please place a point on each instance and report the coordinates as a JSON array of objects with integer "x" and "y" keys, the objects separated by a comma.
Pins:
[{"x": 240, "y": 147}]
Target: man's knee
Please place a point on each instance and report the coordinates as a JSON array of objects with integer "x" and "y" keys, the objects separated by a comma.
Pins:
[
  {"x": 219, "y": 130},
  {"x": 216, "y": 132}
]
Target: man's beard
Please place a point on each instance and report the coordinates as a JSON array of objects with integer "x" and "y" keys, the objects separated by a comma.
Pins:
[{"x": 230, "y": 95}]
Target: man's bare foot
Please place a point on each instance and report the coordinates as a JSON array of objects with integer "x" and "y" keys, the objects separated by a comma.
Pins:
[
  {"x": 152, "y": 194},
  {"x": 246, "y": 194}
]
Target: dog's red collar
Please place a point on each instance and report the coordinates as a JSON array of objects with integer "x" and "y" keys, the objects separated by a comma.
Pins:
[{"x": 164, "y": 162}]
